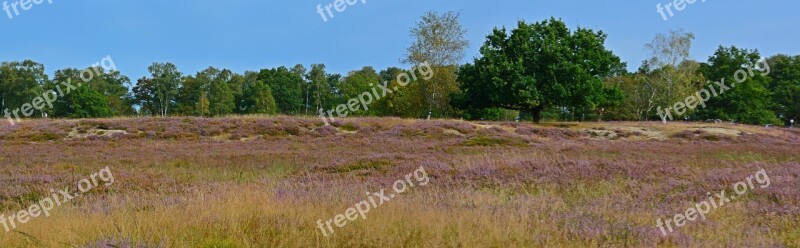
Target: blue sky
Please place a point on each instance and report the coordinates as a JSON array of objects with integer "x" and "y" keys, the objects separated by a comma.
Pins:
[{"x": 250, "y": 35}]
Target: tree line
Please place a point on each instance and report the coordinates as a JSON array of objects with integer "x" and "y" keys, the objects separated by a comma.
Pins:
[{"x": 534, "y": 71}]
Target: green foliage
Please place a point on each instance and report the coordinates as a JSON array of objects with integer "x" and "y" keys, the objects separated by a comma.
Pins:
[
  {"x": 611, "y": 97},
  {"x": 20, "y": 82},
  {"x": 635, "y": 98},
  {"x": 286, "y": 87},
  {"x": 746, "y": 102},
  {"x": 669, "y": 76},
  {"x": 785, "y": 86},
  {"x": 438, "y": 91},
  {"x": 191, "y": 90},
  {"x": 263, "y": 102},
  {"x": 82, "y": 102},
  {"x": 103, "y": 95},
  {"x": 220, "y": 94},
  {"x": 114, "y": 86},
  {"x": 536, "y": 66},
  {"x": 144, "y": 95},
  {"x": 408, "y": 101},
  {"x": 158, "y": 94},
  {"x": 320, "y": 91},
  {"x": 202, "y": 107},
  {"x": 439, "y": 40},
  {"x": 358, "y": 82},
  {"x": 217, "y": 86}
]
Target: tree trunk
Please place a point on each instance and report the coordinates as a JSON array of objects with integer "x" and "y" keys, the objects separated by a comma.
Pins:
[{"x": 536, "y": 112}]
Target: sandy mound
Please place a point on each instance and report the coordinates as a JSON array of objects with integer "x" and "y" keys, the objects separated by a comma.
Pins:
[
  {"x": 95, "y": 132},
  {"x": 720, "y": 131}
]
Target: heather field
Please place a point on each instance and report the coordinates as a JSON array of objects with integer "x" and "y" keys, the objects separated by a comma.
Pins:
[{"x": 266, "y": 181}]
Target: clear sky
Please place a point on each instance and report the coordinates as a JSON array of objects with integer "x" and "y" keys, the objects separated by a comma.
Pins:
[{"x": 253, "y": 34}]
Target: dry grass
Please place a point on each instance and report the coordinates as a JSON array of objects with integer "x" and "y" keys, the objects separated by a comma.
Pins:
[{"x": 265, "y": 181}]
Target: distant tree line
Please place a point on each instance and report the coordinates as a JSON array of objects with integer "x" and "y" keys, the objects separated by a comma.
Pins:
[
  {"x": 536, "y": 71},
  {"x": 669, "y": 76}
]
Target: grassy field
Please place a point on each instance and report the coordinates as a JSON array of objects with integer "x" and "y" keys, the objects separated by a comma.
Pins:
[{"x": 267, "y": 181}]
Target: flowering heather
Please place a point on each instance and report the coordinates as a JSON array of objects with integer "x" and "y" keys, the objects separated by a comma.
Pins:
[{"x": 265, "y": 181}]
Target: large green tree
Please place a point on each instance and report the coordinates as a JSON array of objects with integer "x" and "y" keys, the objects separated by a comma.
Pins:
[
  {"x": 785, "y": 86},
  {"x": 539, "y": 65},
  {"x": 110, "y": 84},
  {"x": 669, "y": 75},
  {"x": 748, "y": 101},
  {"x": 358, "y": 82},
  {"x": 220, "y": 94},
  {"x": 166, "y": 80},
  {"x": 634, "y": 101},
  {"x": 301, "y": 71},
  {"x": 82, "y": 102},
  {"x": 439, "y": 41},
  {"x": 189, "y": 94},
  {"x": 144, "y": 96},
  {"x": 287, "y": 88},
  {"x": 114, "y": 87},
  {"x": 263, "y": 101},
  {"x": 321, "y": 92},
  {"x": 97, "y": 94},
  {"x": 20, "y": 83}
]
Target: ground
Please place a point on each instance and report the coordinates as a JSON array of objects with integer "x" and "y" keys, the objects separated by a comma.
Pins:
[{"x": 270, "y": 181}]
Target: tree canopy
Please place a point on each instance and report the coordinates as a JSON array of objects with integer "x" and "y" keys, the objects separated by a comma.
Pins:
[{"x": 539, "y": 65}]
